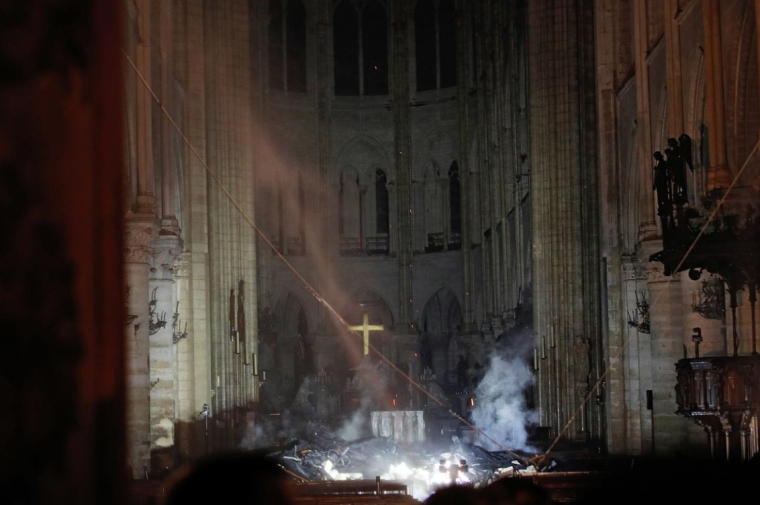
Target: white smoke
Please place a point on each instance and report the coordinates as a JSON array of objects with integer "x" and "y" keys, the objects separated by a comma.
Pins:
[
  {"x": 500, "y": 409},
  {"x": 356, "y": 426}
]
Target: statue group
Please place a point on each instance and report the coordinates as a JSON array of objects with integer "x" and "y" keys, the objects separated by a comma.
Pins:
[
  {"x": 671, "y": 180},
  {"x": 670, "y": 177}
]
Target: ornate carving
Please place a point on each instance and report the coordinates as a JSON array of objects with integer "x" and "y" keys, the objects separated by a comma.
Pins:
[
  {"x": 138, "y": 240},
  {"x": 167, "y": 251}
]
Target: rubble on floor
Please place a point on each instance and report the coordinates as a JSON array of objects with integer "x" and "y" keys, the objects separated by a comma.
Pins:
[{"x": 322, "y": 456}]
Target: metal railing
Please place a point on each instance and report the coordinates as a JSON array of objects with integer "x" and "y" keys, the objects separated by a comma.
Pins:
[
  {"x": 350, "y": 246},
  {"x": 378, "y": 246}
]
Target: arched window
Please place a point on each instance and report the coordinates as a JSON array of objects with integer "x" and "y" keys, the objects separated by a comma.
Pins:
[
  {"x": 435, "y": 44},
  {"x": 346, "y": 49},
  {"x": 455, "y": 203},
  {"x": 381, "y": 202},
  {"x": 295, "y": 32},
  {"x": 360, "y": 48},
  {"x": 375, "y": 48},
  {"x": 287, "y": 46},
  {"x": 433, "y": 210},
  {"x": 350, "y": 215},
  {"x": 447, "y": 41}
]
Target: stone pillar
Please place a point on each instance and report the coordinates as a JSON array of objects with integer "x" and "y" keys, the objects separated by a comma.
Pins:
[
  {"x": 648, "y": 227},
  {"x": 323, "y": 125},
  {"x": 666, "y": 316},
  {"x": 719, "y": 175},
  {"x": 141, "y": 231},
  {"x": 183, "y": 356},
  {"x": 400, "y": 84},
  {"x": 564, "y": 203},
  {"x": 673, "y": 69},
  {"x": 168, "y": 162},
  {"x": 463, "y": 76},
  {"x": 146, "y": 182},
  {"x": 162, "y": 360}
]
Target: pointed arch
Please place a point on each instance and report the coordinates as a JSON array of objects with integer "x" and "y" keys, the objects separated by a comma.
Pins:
[
  {"x": 349, "y": 204},
  {"x": 365, "y": 153},
  {"x": 440, "y": 319},
  {"x": 365, "y": 299},
  {"x": 439, "y": 146}
]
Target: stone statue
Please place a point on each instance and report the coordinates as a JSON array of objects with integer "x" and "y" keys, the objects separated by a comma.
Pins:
[{"x": 662, "y": 186}]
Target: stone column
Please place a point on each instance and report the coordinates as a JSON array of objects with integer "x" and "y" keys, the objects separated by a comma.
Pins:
[
  {"x": 719, "y": 175},
  {"x": 648, "y": 227},
  {"x": 666, "y": 319},
  {"x": 564, "y": 202},
  {"x": 673, "y": 69},
  {"x": 403, "y": 154},
  {"x": 146, "y": 199},
  {"x": 463, "y": 75},
  {"x": 168, "y": 161},
  {"x": 323, "y": 125},
  {"x": 183, "y": 355},
  {"x": 140, "y": 233},
  {"x": 163, "y": 300}
]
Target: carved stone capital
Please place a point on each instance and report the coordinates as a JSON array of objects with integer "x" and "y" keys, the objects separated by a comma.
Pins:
[
  {"x": 139, "y": 236},
  {"x": 168, "y": 249}
]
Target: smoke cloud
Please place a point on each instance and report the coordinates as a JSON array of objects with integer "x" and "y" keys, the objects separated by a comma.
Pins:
[
  {"x": 501, "y": 409},
  {"x": 355, "y": 427}
]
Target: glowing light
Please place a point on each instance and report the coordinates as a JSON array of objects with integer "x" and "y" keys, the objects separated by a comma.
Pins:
[{"x": 334, "y": 474}]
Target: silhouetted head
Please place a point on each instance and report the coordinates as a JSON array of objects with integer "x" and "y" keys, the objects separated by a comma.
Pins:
[
  {"x": 456, "y": 495},
  {"x": 232, "y": 479},
  {"x": 512, "y": 491},
  {"x": 658, "y": 156},
  {"x": 672, "y": 142}
]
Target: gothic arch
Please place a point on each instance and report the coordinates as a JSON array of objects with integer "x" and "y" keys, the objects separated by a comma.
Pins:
[
  {"x": 364, "y": 153},
  {"x": 438, "y": 146},
  {"x": 368, "y": 300},
  {"x": 288, "y": 310},
  {"x": 442, "y": 302},
  {"x": 438, "y": 325}
]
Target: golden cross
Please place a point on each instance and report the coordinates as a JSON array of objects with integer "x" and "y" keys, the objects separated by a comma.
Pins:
[{"x": 365, "y": 328}]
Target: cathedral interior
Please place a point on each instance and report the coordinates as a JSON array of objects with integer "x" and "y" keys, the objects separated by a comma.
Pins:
[{"x": 524, "y": 227}]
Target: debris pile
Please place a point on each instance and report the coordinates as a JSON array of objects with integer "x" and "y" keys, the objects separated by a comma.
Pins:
[{"x": 323, "y": 456}]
